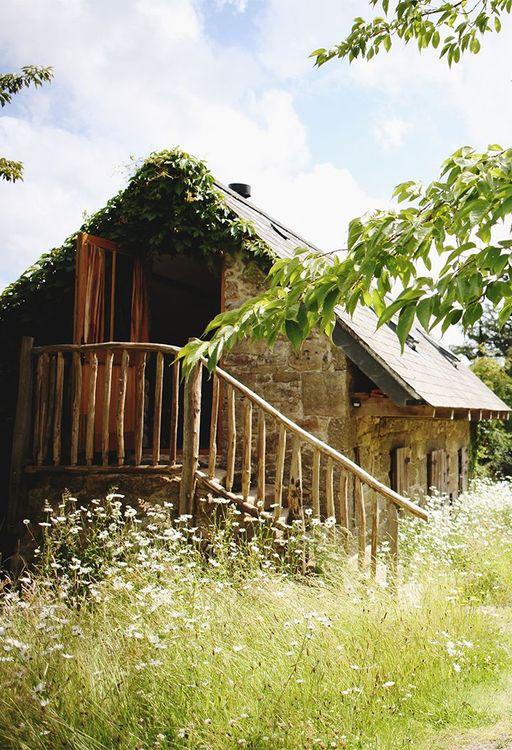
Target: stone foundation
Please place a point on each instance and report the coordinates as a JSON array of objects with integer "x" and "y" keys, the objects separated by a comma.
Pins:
[{"x": 42, "y": 488}]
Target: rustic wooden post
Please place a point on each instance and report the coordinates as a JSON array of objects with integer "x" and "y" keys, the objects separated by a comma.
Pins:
[
  {"x": 246, "y": 449},
  {"x": 175, "y": 407},
  {"x": 157, "y": 407},
  {"x": 91, "y": 409},
  {"x": 107, "y": 392},
  {"x": 361, "y": 521},
  {"x": 231, "y": 438},
  {"x": 280, "y": 458},
  {"x": 295, "y": 485},
  {"x": 315, "y": 484},
  {"x": 214, "y": 418},
  {"x": 121, "y": 400},
  {"x": 191, "y": 426},
  {"x": 57, "y": 422},
  {"x": 329, "y": 489},
  {"x": 42, "y": 391},
  {"x": 393, "y": 521},
  {"x": 262, "y": 447},
  {"x": 375, "y": 535},
  {"x": 343, "y": 510},
  {"x": 75, "y": 411},
  {"x": 140, "y": 387},
  {"x": 20, "y": 440}
]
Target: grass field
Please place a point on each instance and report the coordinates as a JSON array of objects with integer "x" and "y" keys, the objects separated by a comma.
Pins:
[{"x": 129, "y": 636}]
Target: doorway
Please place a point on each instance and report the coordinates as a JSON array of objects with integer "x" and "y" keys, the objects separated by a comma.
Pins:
[{"x": 184, "y": 295}]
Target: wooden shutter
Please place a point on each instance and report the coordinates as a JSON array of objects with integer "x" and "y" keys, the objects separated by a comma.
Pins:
[
  {"x": 139, "y": 324},
  {"x": 90, "y": 326},
  {"x": 400, "y": 474},
  {"x": 438, "y": 471},
  {"x": 463, "y": 469}
]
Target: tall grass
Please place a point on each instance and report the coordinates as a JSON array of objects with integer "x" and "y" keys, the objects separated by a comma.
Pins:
[{"x": 131, "y": 634}]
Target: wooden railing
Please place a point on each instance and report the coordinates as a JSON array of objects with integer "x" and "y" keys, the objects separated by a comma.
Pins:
[
  {"x": 120, "y": 406},
  {"x": 103, "y": 405},
  {"x": 324, "y": 483}
]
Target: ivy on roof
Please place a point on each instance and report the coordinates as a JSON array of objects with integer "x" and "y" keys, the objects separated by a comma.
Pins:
[{"x": 170, "y": 206}]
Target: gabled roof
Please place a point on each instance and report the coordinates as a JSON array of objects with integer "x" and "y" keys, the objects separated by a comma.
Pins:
[{"x": 425, "y": 373}]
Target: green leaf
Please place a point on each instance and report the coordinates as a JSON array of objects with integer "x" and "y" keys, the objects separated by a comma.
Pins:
[
  {"x": 505, "y": 208},
  {"x": 405, "y": 321},
  {"x": 472, "y": 314},
  {"x": 424, "y": 312},
  {"x": 294, "y": 332}
]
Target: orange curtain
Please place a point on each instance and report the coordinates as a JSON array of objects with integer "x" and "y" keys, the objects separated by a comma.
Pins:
[
  {"x": 90, "y": 319},
  {"x": 139, "y": 325}
]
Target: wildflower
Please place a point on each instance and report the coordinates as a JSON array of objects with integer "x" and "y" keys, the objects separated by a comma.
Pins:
[
  {"x": 237, "y": 649},
  {"x": 456, "y": 666},
  {"x": 388, "y": 684}
]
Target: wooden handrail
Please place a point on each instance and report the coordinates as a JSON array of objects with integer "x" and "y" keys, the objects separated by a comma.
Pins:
[
  {"x": 327, "y": 450},
  {"x": 114, "y": 345}
]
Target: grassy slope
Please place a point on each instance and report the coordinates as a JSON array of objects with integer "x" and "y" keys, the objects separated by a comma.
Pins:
[{"x": 132, "y": 640}]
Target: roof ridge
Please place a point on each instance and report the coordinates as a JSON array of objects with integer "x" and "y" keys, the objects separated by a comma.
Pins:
[{"x": 270, "y": 218}]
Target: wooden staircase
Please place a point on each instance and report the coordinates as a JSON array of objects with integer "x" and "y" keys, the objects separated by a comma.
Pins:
[
  {"x": 325, "y": 491},
  {"x": 74, "y": 413}
]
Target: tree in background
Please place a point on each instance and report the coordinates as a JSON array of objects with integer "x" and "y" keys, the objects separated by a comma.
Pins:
[
  {"x": 388, "y": 264},
  {"x": 489, "y": 346},
  {"x": 11, "y": 84}
]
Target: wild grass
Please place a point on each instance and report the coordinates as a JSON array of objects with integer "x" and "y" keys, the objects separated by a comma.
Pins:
[{"x": 129, "y": 634}]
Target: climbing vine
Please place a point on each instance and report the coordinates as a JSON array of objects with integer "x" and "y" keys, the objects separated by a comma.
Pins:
[{"x": 170, "y": 206}]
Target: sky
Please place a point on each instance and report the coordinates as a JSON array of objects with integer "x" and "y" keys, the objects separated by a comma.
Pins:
[{"x": 229, "y": 81}]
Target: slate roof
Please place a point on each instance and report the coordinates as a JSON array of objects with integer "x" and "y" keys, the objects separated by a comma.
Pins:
[{"x": 426, "y": 372}]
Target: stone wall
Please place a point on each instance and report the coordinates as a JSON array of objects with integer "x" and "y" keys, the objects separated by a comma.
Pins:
[
  {"x": 377, "y": 437},
  {"x": 312, "y": 387},
  {"x": 309, "y": 386}
]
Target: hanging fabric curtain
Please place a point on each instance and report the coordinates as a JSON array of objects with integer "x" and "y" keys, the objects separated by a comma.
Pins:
[
  {"x": 90, "y": 293},
  {"x": 139, "y": 325}
]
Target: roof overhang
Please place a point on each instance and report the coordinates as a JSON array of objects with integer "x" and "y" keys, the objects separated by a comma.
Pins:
[{"x": 399, "y": 392}]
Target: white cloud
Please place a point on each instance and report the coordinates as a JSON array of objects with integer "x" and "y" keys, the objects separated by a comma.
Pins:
[
  {"x": 172, "y": 19},
  {"x": 391, "y": 132},
  {"x": 239, "y": 5},
  {"x": 291, "y": 29},
  {"x": 318, "y": 203},
  {"x": 132, "y": 76}
]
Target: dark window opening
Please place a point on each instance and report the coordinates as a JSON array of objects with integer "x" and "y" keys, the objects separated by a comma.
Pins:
[{"x": 184, "y": 294}]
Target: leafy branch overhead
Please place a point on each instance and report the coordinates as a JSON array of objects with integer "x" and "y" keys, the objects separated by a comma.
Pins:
[
  {"x": 452, "y": 218},
  {"x": 10, "y": 85},
  {"x": 453, "y": 28},
  {"x": 435, "y": 257}
]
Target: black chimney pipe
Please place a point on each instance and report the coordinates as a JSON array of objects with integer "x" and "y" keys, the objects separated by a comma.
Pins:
[{"x": 241, "y": 188}]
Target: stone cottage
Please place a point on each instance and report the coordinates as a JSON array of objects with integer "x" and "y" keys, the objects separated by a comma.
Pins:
[{"x": 98, "y": 391}]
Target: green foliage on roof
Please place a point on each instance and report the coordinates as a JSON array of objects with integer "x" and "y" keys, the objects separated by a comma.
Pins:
[{"x": 170, "y": 206}]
